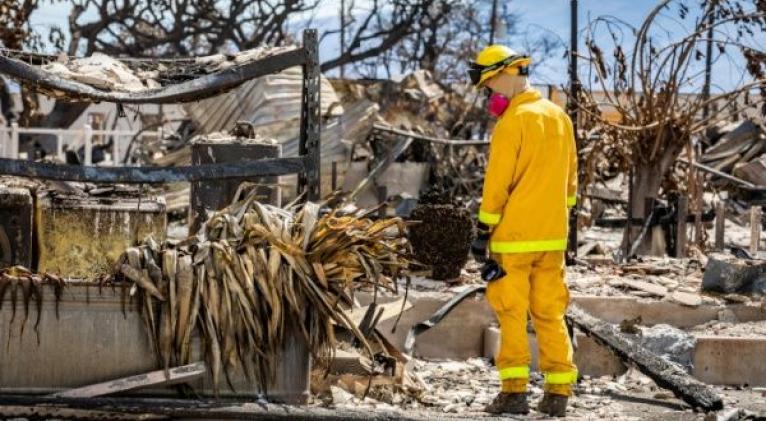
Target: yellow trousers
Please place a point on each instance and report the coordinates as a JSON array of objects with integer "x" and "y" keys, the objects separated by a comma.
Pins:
[{"x": 534, "y": 285}]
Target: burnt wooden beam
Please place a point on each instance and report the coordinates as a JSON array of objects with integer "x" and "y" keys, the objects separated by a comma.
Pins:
[
  {"x": 151, "y": 175},
  {"x": 666, "y": 374}
]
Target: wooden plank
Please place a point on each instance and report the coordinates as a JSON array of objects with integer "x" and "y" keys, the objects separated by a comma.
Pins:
[
  {"x": 649, "y": 287},
  {"x": 390, "y": 310},
  {"x": 755, "y": 229},
  {"x": 154, "y": 378},
  {"x": 667, "y": 375}
]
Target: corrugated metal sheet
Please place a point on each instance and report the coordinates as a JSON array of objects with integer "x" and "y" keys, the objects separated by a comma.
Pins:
[{"x": 272, "y": 103}]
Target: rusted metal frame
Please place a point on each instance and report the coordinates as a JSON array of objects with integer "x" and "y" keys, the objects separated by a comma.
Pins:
[
  {"x": 420, "y": 137},
  {"x": 151, "y": 175},
  {"x": 309, "y": 146},
  {"x": 192, "y": 90},
  {"x": 307, "y": 165}
]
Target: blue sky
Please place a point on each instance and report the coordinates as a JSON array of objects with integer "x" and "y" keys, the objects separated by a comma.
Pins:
[{"x": 552, "y": 16}]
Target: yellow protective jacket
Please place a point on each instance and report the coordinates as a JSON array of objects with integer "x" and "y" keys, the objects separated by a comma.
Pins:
[{"x": 531, "y": 177}]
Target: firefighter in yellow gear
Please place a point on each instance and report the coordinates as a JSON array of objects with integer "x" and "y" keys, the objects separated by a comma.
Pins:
[{"x": 530, "y": 183}]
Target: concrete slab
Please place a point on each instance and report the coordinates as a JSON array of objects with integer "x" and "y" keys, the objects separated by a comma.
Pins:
[
  {"x": 459, "y": 336},
  {"x": 730, "y": 361},
  {"x": 716, "y": 360}
]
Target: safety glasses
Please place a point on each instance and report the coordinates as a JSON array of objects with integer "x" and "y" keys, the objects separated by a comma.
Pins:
[{"x": 476, "y": 70}]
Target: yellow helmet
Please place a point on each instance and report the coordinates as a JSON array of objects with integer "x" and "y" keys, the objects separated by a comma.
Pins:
[{"x": 494, "y": 59}]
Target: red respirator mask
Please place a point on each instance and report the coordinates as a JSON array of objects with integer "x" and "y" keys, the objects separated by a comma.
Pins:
[{"x": 497, "y": 104}]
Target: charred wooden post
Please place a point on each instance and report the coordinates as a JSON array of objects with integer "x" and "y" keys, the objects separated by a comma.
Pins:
[
  {"x": 334, "y": 181},
  {"x": 755, "y": 228},
  {"x": 310, "y": 117},
  {"x": 666, "y": 374},
  {"x": 682, "y": 213},
  {"x": 720, "y": 223},
  {"x": 382, "y": 199},
  {"x": 16, "y": 214}
]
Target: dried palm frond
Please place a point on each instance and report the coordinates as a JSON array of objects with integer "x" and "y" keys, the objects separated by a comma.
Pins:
[
  {"x": 15, "y": 278},
  {"x": 254, "y": 272}
]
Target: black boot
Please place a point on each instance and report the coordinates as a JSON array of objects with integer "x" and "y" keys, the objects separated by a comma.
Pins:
[
  {"x": 508, "y": 403},
  {"x": 553, "y": 405}
]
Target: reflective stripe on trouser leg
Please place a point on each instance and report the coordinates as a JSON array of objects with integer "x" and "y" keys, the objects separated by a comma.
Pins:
[
  {"x": 566, "y": 377},
  {"x": 521, "y": 372}
]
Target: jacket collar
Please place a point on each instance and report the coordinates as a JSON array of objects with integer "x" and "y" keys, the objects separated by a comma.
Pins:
[{"x": 529, "y": 95}]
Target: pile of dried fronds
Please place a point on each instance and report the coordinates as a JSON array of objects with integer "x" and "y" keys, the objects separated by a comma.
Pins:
[
  {"x": 17, "y": 279},
  {"x": 255, "y": 272}
]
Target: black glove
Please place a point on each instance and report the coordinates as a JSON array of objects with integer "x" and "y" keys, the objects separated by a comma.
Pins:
[
  {"x": 479, "y": 245},
  {"x": 491, "y": 271}
]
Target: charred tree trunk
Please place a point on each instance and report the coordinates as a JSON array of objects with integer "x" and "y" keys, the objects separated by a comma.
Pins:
[{"x": 647, "y": 182}]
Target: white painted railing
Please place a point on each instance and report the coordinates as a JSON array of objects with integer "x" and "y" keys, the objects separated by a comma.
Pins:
[{"x": 73, "y": 138}]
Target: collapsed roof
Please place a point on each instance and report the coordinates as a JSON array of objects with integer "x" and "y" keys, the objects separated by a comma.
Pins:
[{"x": 137, "y": 80}]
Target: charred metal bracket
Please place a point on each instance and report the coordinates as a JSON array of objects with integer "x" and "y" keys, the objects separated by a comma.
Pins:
[
  {"x": 309, "y": 180},
  {"x": 306, "y": 165}
]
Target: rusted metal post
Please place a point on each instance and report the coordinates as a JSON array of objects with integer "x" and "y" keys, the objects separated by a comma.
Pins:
[
  {"x": 720, "y": 223},
  {"x": 309, "y": 147},
  {"x": 755, "y": 229},
  {"x": 573, "y": 87},
  {"x": 683, "y": 212}
]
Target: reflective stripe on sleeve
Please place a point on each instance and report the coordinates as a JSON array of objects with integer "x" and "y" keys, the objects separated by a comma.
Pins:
[
  {"x": 489, "y": 218},
  {"x": 520, "y": 372},
  {"x": 527, "y": 246},
  {"x": 571, "y": 201}
]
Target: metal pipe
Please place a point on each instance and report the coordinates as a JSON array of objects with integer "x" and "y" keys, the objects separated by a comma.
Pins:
[
  {"x": 572, "y": 103},
  {"x": 708, "y": 61},
  {"x": 151, "y": 175},
  {"x": 418, "y": 136}
]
